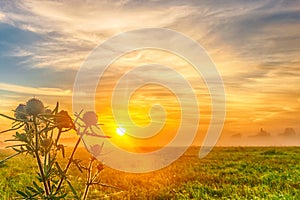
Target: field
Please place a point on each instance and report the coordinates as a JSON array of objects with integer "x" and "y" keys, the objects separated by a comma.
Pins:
[{"x": 226, "y": 173}]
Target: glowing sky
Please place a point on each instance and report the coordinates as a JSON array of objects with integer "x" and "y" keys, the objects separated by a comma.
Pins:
[{"x": 254, "y": 44}]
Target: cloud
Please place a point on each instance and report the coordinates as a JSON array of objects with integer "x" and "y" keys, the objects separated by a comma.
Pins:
[
  {"x": 250, "y": 31},
  {"x": 70, "y": 31},
  {"x": 34, "y": 91},
  {"x": 20, "y": 52},
  {"x": 2, "y": 16},
  {"x": 103, "y": 16}
]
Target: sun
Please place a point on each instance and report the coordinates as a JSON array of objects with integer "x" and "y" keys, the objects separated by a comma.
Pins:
[{"x": 121, "y": 131}]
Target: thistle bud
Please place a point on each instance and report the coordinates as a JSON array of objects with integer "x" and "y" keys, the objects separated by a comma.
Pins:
[
  {"x": 46, "y": 143},
  {"x": 63, "y": 120},
  {"x": 100, "y": 167},
  {"x": 90, "y": 118},
  {"x": 96, "y": 150}
]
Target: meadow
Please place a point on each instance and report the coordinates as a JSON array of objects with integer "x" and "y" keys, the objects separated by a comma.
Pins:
[{"x": 226, "y": 173}]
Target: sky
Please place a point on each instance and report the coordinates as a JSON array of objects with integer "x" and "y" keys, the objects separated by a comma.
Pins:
[{"x": 255, "y": 46}]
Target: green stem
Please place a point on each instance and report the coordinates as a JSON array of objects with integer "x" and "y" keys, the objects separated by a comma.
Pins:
[
  {"x": 88, "y": 181},
  {"x": 95, "y": 176},
  {"x": 70, "y": 159},
  {"x": 68, "y": 164},
  {"x": 36, "y": 151},
  {"x": 48, "y": 162}
]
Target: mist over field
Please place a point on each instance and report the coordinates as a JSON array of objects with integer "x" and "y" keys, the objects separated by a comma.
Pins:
[{"x": 235, "y": 140}]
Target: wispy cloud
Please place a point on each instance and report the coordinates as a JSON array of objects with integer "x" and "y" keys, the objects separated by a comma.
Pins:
[
  {"x": 34, "y": 91},
  {"x": 252, "y": 31},
  {"x": 68, "y": 29}
]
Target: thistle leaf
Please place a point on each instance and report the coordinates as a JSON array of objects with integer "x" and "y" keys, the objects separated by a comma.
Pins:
[
  {"x": 22, "y": 194},
  {"x": 38, "y": 187},
  {"x": 32, "y": 189},
  {"x": 73, "y": 190},
  {"x": 55, "y": 110}
]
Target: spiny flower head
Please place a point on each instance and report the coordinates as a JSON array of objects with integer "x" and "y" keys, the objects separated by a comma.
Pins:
[
  {"x": 20, "y": 112},
  {"x": 34, "y": 107}
]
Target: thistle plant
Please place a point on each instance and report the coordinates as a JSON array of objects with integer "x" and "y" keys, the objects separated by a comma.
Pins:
[{"x": 38, "y": 131}]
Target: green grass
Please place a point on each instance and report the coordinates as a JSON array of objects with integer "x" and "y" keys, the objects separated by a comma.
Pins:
[{"x": 226, "y": 173}]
